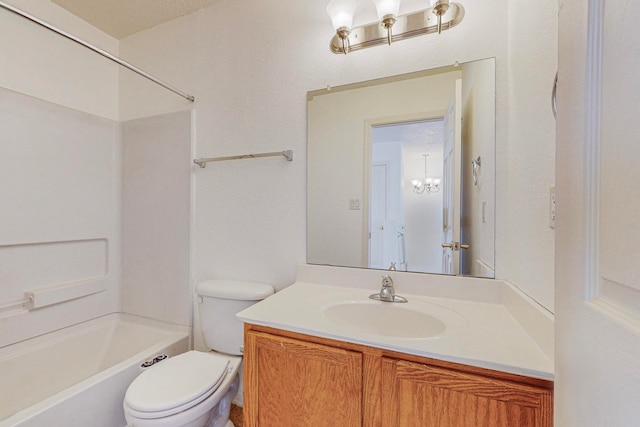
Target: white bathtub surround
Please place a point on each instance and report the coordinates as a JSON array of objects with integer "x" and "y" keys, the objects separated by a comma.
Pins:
[
  {"x": 60, "y": 217},
  {"x": 156, "y": 209},
  {"x": 487, "y": 322},
  {"x": 77, "y": 376}
]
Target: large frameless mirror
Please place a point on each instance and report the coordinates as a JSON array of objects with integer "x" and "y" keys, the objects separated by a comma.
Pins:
[{"x": 401, "y": 172}]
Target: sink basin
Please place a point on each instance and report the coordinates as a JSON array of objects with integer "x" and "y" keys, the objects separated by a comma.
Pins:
[{"x": 386, "y": 319}]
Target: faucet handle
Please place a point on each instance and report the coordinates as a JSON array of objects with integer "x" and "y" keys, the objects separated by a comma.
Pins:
[
  {"x": 387, "y": 281},
  {"x": 387, "y": 293}
]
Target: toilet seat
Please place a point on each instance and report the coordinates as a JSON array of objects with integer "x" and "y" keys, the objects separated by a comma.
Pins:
[{"x": 176, "y": 384}]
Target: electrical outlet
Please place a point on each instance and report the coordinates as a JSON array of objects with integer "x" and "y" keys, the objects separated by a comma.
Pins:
[{"x": 552, "y": 207}]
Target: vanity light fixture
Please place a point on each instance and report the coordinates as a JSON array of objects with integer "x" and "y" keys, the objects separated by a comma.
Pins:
[
  {"x": 341, "y": 14},
  {"x": 387, "y": 14},
  {"x": 427, "y": 184},
  {"x": 442, "y": 15},
  {"x": 440, "y": 7}
]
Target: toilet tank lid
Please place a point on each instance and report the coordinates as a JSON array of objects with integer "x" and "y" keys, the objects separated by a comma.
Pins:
[{"x": 234, "y": 289}]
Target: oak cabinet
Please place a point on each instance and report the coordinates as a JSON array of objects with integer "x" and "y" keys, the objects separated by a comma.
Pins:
[
  {"x": 298, "y": 383},
  {"x": 296, "y": 380},
  {"x": 421, "y": 395}
]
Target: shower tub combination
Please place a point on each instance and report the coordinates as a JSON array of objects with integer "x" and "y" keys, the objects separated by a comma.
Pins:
[{"x": 78, "y": 376}]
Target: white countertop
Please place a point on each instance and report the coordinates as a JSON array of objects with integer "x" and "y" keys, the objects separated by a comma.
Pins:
[{"x": 482, "y": 334}]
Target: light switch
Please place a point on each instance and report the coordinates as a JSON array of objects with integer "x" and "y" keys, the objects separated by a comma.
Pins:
[{"x": 354, "y": 204}]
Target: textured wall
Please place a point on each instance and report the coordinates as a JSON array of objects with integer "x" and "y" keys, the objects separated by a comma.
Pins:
[
  {"x": 42, "y": 64},
  {"x": 526, "y": 256},
  {"x": 250, "y": 63},
  {"x": 156, "y": 216}
]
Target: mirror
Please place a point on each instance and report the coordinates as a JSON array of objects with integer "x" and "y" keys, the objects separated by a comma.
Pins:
[{"x": 401, "y": 172}]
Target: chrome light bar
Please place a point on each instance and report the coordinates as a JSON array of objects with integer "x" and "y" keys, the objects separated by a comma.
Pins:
[{"x": 406, "y": 26}]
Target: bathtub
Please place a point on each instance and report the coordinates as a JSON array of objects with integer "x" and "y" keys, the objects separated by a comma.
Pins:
[{"x": 77, "y": 376}]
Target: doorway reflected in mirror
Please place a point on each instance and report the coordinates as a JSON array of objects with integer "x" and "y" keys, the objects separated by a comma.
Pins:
[{"x": 405, "y": 220}]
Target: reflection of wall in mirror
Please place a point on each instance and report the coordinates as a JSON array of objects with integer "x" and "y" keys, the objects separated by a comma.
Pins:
[{"x": 478, "y": 136}]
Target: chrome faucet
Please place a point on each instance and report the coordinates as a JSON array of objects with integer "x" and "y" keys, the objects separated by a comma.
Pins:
[{"x": 387, "y": 292}]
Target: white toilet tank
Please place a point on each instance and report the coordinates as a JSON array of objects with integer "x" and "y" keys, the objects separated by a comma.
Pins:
[{"x": 219, "y": 301}]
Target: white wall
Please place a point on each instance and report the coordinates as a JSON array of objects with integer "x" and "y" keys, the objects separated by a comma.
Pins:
[
  {"x": 250, "y": 73},
  {"x": 250, "y": 86},
  {"x": 42, "y": 64},
  {"x": 478, "y": 136},
  {"x": 250, "y": 91},
  {"x": 156, "y": 209},
  {"x": 527, "y": 169}
]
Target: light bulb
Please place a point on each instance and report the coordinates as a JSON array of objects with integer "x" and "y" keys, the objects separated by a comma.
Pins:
[
  {"x": 435, "y": 3},
  {"x": 387, "y": 13},
  {"x": 341, "y": 13},
  {"x": 386, "y": 8}
]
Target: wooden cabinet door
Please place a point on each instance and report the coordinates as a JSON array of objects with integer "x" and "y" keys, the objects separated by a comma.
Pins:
[
  {"x": 419, "y": 395},
  {"x": 292, "y": 383}
]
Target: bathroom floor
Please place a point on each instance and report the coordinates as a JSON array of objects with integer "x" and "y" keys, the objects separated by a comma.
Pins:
[{"x": 236, "y": 415}]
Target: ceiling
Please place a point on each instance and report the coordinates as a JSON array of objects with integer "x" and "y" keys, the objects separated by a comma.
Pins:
[
  {"x": 417, "y": 136},
  {"x": 122, "y": 18}
]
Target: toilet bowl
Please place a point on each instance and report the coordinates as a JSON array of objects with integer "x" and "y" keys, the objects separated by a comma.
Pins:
[
  {"x": 193, "y": 389},
  {"x": 196, "y": 388}
]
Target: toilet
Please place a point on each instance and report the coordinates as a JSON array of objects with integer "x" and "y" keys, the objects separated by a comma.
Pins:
[{"x": 195, "y": 389}]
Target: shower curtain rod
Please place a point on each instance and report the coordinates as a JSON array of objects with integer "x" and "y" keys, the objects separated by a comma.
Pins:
[{"x": 95, "y": 49}]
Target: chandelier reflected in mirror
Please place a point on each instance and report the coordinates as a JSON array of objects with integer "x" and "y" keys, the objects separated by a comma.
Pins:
[{"x": 426, "y": 184}]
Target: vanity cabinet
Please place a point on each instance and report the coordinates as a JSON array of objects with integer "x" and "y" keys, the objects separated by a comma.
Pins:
[
  {"x": 301, "y": 380},
  {"x": 422, "y": 395},
  {"x": 289, "y": 382}
]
